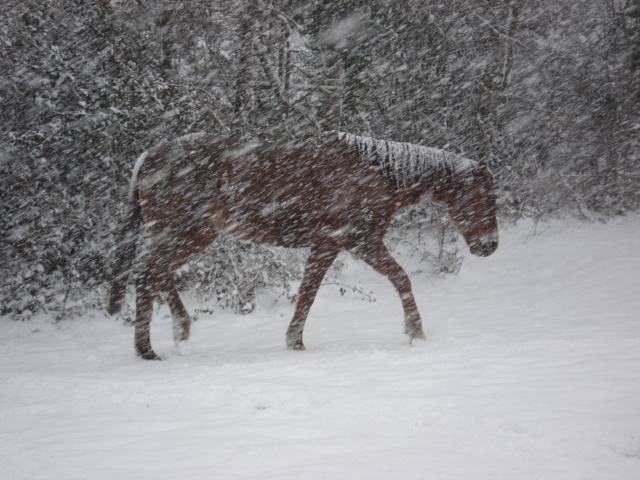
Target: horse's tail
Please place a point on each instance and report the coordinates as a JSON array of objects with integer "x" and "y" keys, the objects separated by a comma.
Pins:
[{"x": 125, "y": 253}]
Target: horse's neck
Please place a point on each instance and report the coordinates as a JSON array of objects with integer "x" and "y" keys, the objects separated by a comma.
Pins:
[{"x": 426, "y": 190}]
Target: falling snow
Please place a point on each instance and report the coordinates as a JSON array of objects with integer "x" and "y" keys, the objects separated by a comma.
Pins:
[{"x": 530, "y": 368}]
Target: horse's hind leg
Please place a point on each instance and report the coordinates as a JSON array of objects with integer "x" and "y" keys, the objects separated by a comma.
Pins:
[
  {"x": 146, "y": 291},
  {"x": 185, "y": 250},
  {"x": 154, "y": 279},
  {"x": 318, "y": 263},
  {"x": 181, "y": 319},
  {"x": 378, "y": 257}
]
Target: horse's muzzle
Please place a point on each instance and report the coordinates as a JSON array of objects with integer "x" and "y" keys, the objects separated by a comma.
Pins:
[{"x": 484, "y": 249}]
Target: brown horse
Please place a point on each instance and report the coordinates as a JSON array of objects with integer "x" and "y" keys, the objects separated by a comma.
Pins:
[{"x": 337, "y": 193}]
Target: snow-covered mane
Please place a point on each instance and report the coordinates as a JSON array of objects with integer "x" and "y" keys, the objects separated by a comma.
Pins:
[{"x": 406, "y": 163}]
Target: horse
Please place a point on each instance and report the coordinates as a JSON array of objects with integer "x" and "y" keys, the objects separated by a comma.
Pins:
[{"x": 336, "y": 192}]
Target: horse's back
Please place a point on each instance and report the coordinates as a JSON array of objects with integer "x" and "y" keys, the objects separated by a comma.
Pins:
[
  {"x": 300, "y": 195},
  {"x": 290, "y": 195}
]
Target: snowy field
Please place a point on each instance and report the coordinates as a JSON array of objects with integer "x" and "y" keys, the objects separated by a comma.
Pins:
[{"x": 531, "y": 370}]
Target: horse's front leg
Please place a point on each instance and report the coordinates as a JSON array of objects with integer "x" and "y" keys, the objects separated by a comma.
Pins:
[
  {"x": 378, "y": 257},
  {"x": 319, "y": 261}
]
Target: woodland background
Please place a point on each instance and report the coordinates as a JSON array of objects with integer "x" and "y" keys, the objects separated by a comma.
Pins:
[{"x": 547, "y": 92}]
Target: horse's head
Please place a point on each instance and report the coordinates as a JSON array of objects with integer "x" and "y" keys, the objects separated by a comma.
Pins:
[{"x": 471, "y": 201}]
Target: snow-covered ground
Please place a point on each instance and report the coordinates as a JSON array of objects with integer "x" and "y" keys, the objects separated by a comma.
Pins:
[{"x": 531, "y": 370}]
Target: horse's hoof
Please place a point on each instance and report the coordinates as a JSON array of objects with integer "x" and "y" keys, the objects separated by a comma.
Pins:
[
  {"x": 294, "y": 340},
  {"x": 148, "y": 355},
  {"x": 181, "y": 332},
  {"x": 184, "y": 348},
  {"x": 415, "y": 334},
  {"x": 299, "y": 346}
]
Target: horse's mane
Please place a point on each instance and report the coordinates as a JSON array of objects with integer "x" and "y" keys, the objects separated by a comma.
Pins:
[{"x": 407, "y": 163}]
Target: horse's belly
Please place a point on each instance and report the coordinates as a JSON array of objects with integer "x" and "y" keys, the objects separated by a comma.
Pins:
[
  {"x": 251, "y": 227},
  {"x": 280, "y": 226},
  {"x": 300, "y": 213}
]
